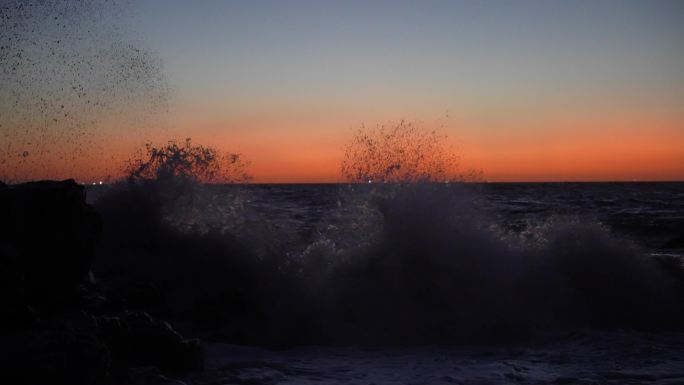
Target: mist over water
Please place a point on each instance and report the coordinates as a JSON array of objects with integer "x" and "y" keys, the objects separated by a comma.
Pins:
[{"x": 416, "y": 263}]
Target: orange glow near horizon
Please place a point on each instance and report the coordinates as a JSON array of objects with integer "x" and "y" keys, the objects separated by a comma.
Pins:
[
  {"x": 599, "y": 147},
  {"x": 626, "y": 148}
]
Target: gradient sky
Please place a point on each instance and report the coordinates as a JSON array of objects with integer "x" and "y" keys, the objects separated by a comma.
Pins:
[{"x": 527, "y": 90}]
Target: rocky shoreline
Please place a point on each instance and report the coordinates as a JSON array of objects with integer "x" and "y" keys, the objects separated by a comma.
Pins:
[{"x": 58, "y": 325}]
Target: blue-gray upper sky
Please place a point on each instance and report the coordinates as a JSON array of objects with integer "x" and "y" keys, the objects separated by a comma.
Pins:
[{"x": 444, "y": 50}]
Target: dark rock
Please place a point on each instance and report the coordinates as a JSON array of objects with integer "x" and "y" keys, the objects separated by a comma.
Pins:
[
  {"x": 47, "y": 239},
  {"x": 61, "y": 351},
  {"x": 53, "y": 327},
  {"x": 673, "y": 265},
  {"x": 144, "y": 296},
  {"x": 675, "y": 243},
  {"x": 150, "y": 376},
  {"x": 136, "y": 339}
]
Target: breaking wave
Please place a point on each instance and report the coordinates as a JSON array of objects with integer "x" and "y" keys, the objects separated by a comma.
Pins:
[{"x": 418, "y": 263}]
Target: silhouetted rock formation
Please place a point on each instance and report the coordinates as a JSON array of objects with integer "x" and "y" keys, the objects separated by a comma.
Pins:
[
  {"x": 135, "y": 338},
  {"x": 47, "y": 238},
  {"x": 675, "y": 243},
  {"x": 55, "y": 325},
  {"x": 64, "y": 350}
]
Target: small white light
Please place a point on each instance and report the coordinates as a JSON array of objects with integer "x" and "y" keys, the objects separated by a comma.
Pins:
[
  {"x": 370, "y": 181},
  {"x": 100, "y": 182}
]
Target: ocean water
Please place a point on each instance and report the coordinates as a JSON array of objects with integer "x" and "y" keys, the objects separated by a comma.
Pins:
[
  {"x": 399, "y": 264},
  {"x": 477, "y": 283},
  {"x": 651, "y": 214}
]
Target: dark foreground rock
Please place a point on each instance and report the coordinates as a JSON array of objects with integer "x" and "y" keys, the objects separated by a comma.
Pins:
[
  {"x": 137, "y": 339},
  {"x": 47, "y": 239},
  {"x": 55, "y": 325},
  {"x": 675, "y": 243},
  {"x": 64, "y": 350}
]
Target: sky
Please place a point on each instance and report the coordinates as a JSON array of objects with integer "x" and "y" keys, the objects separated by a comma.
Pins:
[{"x": 526, "y": 90}]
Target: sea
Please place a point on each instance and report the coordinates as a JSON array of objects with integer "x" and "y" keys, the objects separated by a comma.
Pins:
[
  {"x": 650, "y": 214},
  {"x": 475, "y": 283}
]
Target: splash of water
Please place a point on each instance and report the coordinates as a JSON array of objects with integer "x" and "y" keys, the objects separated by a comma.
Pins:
[{"x": 426, "y": 266}]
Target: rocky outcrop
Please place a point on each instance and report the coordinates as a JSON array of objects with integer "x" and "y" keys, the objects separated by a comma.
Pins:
[
  {"x": 137, "y": 339},
  {"x": 62, "y": 350},
  {"x": 55, "y": 324},
  {"x": 48, "y": 236}
]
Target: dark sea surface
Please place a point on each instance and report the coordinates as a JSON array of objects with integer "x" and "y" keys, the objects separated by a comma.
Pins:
[
  {"x": 497, "y": 283},
  {"x": 649, "y": 213}
]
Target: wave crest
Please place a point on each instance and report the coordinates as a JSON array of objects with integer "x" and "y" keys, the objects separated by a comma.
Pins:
[{"x": 431, "y": 270}]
